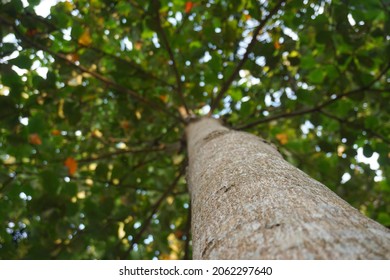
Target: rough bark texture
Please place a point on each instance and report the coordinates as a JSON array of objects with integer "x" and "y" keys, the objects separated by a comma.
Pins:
[{"x": 249, "y": 203}]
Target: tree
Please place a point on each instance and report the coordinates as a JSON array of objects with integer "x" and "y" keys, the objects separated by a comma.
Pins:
[
  {"x": 248, "y": 203},
  {"x": 95, "y": 98}
]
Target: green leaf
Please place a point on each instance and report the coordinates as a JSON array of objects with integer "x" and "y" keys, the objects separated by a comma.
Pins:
[
  {"x": 317, "y": 76},
  {"x": 69, "y": 189},
  {"x": 384, "y": 218},
  {"x": 7, "y": 49},
  {"x": 50, "y": 182},
  {"x": 122, "y": 89},
  {"x": 101, "y": 171},
  {"x": 367, "y": 151},
  {"x": 22, "y": 61},
  {"x": 308, "y": 62},
  {"x": 371, "y": 122},
  {"x": 13, "y": 7},
  {"x": 246, "y": 108},
  {"x": 34, "y": 2},
  {"x": 72, "y": 113}
]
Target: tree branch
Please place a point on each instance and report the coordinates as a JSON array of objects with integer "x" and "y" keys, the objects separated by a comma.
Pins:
[
  {"x": 226, "y": 85},
  {"x": 165, "y": 42},
  {"x": 134, "y": 65},
  {"x": 344, "y": 121},
  {"x": 187, "y": 233},
  {"x": 318, "y": 107},
  {"x": 96, "y": 75},
  {"x": 130, "y": 63},
  {"x": 123, "y": 152},
  {"x": 154, "y": 208},
  {"x": 7, "y": 182},
  {"x": 385, "y": 5}
]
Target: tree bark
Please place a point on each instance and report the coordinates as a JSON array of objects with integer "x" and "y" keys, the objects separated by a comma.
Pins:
[{"x": 249, "y": 203}]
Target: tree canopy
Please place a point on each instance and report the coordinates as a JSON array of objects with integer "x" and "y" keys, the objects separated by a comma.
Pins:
[{"x": 95, "y": 96}]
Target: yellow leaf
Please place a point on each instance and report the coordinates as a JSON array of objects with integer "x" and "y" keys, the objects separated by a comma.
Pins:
[
  {"x": 71, "y": 163},
  {"x": 294, "y": 53},
  {"x": 9, "y": 160},
  {"x": 85, "y": 38},
  {"x": 282, "y": 137},
  {"x": 340, "y": 150},
  {"x": 100, "y": 21},
  {"x": 183, "y": 112},
  {"x": 164, "y": 256},
  {"x": 68, "y": 6},
  {"x": 121, "y": 230},
  {"x": 81, "y": 195},
  {"x": 75, "y": 81},
  {"x": 170, "y": 200},
  {"x": 97, "y": 133},
  {"x": 247, "y": 17},
  {"x": 89, "y": 182},
  {"x": 61, "y": 109},
  {"x": 138, "y": 115}
]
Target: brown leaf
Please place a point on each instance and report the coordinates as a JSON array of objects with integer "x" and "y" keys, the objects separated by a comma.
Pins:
[
  {"x": 188, "y": 7},
  {"x": 282, "y": 137},
  {"x": 179, "y": 234},
  {"x": 55, "y": 132},
  {"x": 138, "y": 45},
  {"x": 125, "y": 125},
  {"x": 163, "y": 98},
  {"x": 73, "y": 56},
  {"x": 34, "y": 139},
  {"x": 31, "y": 32},
  {"x": 71, "y": 163}
]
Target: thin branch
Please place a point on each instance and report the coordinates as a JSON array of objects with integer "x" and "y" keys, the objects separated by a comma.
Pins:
[
  {"x": 96, "y": 75},
  {"x": 226, "y": 85},
  {"x": 380, "y": 90},
  {"x": 123, "y": 152},
  {"x": 134, "y": 65},
  {"x": 183, "y": 22},
  {"x": 187, "y": 233},
  {"x": 154, "y": 208},
  {"x": 167, "y": 46},
  {"x": 137, "y": 5},
  {"x": 276, "y": 117},
  {"x": 344, "y": 121},
  {"x": 7, "y": 182},
  {"x": 385, "y": 5},
  {"x": 318, "y": 107}
]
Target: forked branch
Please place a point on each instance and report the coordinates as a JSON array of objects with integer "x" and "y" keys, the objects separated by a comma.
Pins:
[{"x": 226, "y": 85}]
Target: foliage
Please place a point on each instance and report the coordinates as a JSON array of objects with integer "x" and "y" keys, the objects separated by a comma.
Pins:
[{"x": 94, "y": 99}]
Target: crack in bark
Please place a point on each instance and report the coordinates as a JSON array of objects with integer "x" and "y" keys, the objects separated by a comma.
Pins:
[
  {"x": 225, "y": 188},
  {"x": 271, "y": 226},
  {"x": 215, "y": 134},
  {"x": 210, "y": 245}
]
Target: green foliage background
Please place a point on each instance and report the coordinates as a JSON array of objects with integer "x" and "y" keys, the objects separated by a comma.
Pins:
[{"x": 93, "y": 154}]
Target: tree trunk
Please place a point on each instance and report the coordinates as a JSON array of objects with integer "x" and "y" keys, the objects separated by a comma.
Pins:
[{"x": 249, "y": 203}]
